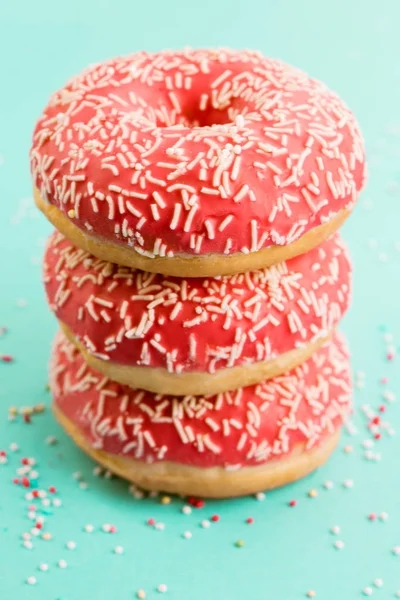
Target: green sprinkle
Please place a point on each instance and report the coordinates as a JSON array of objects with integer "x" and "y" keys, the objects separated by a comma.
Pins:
[{"x": 239, "y": 544}]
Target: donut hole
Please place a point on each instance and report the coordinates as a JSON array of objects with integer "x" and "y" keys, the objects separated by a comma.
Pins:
[{"x": 207, "y": 118}]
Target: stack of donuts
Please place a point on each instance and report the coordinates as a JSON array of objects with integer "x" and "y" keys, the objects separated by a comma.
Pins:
[{"x": 195, "y": 272}]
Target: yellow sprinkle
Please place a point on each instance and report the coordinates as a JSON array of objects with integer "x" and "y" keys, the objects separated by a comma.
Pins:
[
  {"x": 12, "y": 410},
  {"x": 141, "y": 594},
  {"x": 311, "y": 594},
  {"x": 239, "y": 544},
  {"x": 348, "y": 449},
  {"x": 46, "y": 536},
  {"x": 39, "y": 408},
  {"x": 313, "y": 493},
  {"x": 26, "y": 410},
  {"x": 165, "y": 500},
  {"x": 71, "y": 213}
]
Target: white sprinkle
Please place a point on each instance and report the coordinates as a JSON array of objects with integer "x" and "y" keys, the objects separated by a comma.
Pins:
[
  {"x": 328, "y": 485},
  {"x": 57, "y": 502},
  {"x": 62, "y": 564},
  {"x": 160, "y": 526},
  {"x": 367, "y": 591},
  {"x": 89, "y": 528},
  {"x": 339, "y": 544},
  {"x": 71, "y": 545},
  {"x": 260, "y": 496},
  {"x": 31, "y": 580},
  {"x": 28, "y": 545},
  {"x": 162, "y": 588},
  {"x": 206, "y": 523},
  {"x": 175, "y": 216},
  {"x": 335, "y": 529},
  {"x": 348, "y": 483},
  {"x": 378, "y": 582},
  {"x": 118, "y": 550},
  {"x": 383, "y": 516},
  {"x": 188, "y": 535},
  {"x": 225, "y": 222},
  {"x": 186, "y": 510},
  {"x": 189, "y": 218},
  {"x": 44, "y": 567},
  {"x": 396, "y": 550}
]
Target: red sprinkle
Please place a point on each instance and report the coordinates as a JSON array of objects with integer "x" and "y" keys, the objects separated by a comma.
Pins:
[
  {"x": 52, "y": 489},
  {"x": 382, "y": 408},
  {"x": 3, "y": 453},
  {"x": 215, "y": 518},
  {"x": 378, "y": 436},
  {"x": 25, "y": 461},
  {"x": 293, "y": 503},
  {"x": 16, "y": 480},
  {"x": 372, "y": 517},
  {"x": 384, "y": 380},
  {"x": 32, "y": 507},
  {"x": 113, "y": 529},
  {"x": 376, "y": 420},
  {"x": 250, "y": 520},
  {"x": 199, "y": 503},
  {"x": 27, "y": 419},
  {"x": 38, "y": 525},
  {"x": 390, "y": 356},
  {"x": 151, "y": 522},
  {"x": 35, "y": 493},
  {"x": 7, "y": 358},
  {"x": 25, "y": 482}
]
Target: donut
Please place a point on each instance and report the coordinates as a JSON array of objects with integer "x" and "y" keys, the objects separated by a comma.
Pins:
[
  {"x": 197, "y": 335},
  {"x": 229, "y": 444},
  {"x": 196, "y": 163}
]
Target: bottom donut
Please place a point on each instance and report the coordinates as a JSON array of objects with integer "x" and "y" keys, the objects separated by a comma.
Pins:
[{"x": 231, "y": 444}]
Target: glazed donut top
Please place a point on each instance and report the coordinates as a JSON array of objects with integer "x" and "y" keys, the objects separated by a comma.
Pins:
[
  {"x": 197, "y": 152},
  {"x": 135, "y": 318},
  {"x": 245, "y": 427}
]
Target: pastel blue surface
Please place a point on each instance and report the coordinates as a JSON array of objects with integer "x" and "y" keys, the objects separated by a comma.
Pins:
[{"x": 353, "y": 46}]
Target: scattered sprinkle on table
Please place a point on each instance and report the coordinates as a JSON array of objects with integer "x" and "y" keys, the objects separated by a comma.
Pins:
[
  {"x": 335, "y": 529},
  {"x": 62, "y": 564},
  {"x": 187, "y": 535},
  {"x": 31, "y": 580},
  {"x": 141, "y": 594},
  {"x": 367, "y": 591},
  {"x": 239, "y": 543},
  {"x": 162, "y": 588},
  {"x": 118, "y": 550}
]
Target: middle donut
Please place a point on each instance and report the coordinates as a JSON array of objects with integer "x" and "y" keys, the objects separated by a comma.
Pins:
[{"x": 199, "y": 335}]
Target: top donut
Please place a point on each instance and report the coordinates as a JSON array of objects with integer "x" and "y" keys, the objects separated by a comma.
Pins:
[{"x": 197, "y": 162}]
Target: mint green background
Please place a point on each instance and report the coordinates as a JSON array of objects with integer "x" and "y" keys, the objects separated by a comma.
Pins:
[{"x": 351, "y": 44}]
